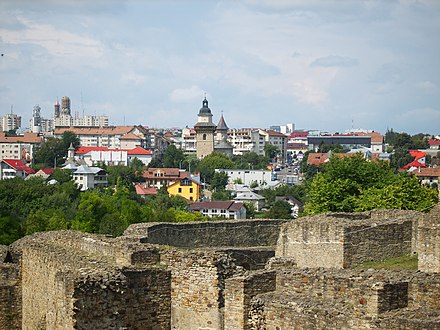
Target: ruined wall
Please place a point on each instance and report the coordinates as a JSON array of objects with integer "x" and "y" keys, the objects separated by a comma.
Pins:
[
  {"x": 348, "y": 299},
  {"x": 10, "y": 295},
  {"x": 312, "y": 243},
  {"x": 197, "y": 287},
  {"x": 66, "y": 288},
  {"x": 429, "y": 242},
  {"x": 237, "y": 233},
  {"x": 340, "y": 240},
  {"x": 377, "y": 241},
  {"x": 239, "y": 292}
]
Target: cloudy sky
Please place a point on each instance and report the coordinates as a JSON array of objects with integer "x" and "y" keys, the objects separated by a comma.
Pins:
[{"x": 321, "y": 64}]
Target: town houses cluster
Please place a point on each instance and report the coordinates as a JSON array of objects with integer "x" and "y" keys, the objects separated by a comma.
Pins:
[{"x": 101, "y": 143}]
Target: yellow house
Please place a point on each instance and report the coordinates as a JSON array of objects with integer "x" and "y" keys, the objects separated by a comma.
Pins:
[{"x": 186, "y": 188}]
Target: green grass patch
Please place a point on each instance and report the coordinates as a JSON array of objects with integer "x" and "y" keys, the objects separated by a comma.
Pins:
[{"x": 408, "y": 262}]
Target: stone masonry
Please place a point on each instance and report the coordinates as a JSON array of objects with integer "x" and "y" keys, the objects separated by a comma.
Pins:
[{"x": 226, "y": 275}]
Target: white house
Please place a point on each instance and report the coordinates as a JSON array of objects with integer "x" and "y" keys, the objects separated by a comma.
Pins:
[
  {"x": 225, "y": 209},
  {"x": 87, "y": 177},
  {"x": 252, "y": 198},
  {"x": 263, "y": 178},
  {"x": 94, "y": 155},
  {"x": 12, "y": 168}
]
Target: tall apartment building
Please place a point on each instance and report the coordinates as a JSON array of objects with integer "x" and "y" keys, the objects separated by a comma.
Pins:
[
  {"x": 63, "y": 117},
  {"x": 10, "y": 122},
  {"x": 19, "y": 147}
]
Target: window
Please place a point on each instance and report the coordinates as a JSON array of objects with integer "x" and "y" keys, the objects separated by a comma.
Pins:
[
  {"x": 191, "y": 199},
  {"x": 190, "y": 190},
  {"x": 204, "y": 136},
  {"x": 180, "y": 190}
]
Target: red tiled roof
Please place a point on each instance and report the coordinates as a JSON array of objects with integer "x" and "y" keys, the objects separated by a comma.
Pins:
[
  {"x": 107, "y": 130},
  {"x": 26, "y": 138},
  {"x": 414, "y": 163},
  {"x": 275, "y": 133},
  {"x": 168, "y": 173},
  {"x": 130, "y": 136},
  {"x": 433, "y": 142},
  {"x": 136, "y": 151},
  {"x": 140, "y": 190},
  {"x": 316, "y": 158},
  {"x": 417, "y": 154},
  {"x": 139, "y": 151},
  {"x": 428, "y": 172},
  {"x": 19, "y": 165},
  {"x": 47, "y": 171}
]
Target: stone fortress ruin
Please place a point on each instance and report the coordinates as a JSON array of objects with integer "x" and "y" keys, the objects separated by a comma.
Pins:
[{"x": 228, "y": 275}]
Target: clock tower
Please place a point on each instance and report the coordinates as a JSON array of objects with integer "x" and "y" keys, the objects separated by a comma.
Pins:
[{"x": 204, "y": 131}]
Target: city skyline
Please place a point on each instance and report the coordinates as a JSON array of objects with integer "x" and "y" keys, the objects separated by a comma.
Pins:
[{"x": 326, "y": 65}]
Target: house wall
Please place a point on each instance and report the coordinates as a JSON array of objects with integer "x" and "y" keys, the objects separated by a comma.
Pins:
[
  {"x": 247, "y": 177},
  {"x": 191, "y": 193}
]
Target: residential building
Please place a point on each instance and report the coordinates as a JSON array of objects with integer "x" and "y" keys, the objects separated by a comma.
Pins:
[
  {"x": 160, "y": 177},
  {"x": 346, "y": 141},
  {"x": 143, "y": 191},
  {"x": 225, "y": 209},
  {"x": 252, "y": 198},
  {"x": 12, "y": 168},
  {"x": 434, "y": 144},
  {"x": 10, "y": 122},
  {"x": 428, "y": 176},
  {"x": 44, "y": 173},
  {"x": 96, "y": 155},
  {"x": 279, "y": 140},
  {"x": 296, "y": 205},
  {"x": 63, "y": 117},
  {"x": 186, "y": 187},
  {"x": 87, "y": 177},
  {"x": 245, "y": 140},
  {"x": 263, "y": 178},
  {"x": 189, "y": 140},
  {"x": 19, "y": 146},
  {"x": 114, "y": 137}
]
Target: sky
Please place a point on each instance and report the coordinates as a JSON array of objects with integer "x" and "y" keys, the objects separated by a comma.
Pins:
[{"x": 328, "y": 65}]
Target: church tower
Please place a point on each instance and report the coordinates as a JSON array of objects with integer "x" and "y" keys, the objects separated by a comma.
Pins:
[{"x": 204, "y": 131}]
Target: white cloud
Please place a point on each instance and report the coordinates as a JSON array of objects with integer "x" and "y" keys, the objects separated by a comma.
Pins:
[
  {"x": 56, "y": 41},
  {"x": 427, "y": 86},
  {"x": 193, "y": 93}
]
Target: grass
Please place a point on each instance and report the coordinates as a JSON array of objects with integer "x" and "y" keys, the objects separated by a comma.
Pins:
[{"x": 408, "y": 262}]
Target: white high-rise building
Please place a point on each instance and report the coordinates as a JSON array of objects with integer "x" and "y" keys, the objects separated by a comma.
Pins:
[{"x": 10, "y": 122}]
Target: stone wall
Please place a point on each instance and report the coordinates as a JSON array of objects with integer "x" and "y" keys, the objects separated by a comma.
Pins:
[
  {"x": 239, "y": 292},
  {"x": 236, "y": 233},
  {"x": 66, "y": 287},
  {"x": 341, "y": 240},
  {"x": 348, "y": 299},
  {"x": 197, "y": 287},
  {"x": 10, "y": 296},
  {"x": 429, "y": 242}
]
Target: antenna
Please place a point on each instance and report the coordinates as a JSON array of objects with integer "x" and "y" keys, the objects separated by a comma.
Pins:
[
  {"x": 82, "y": 103},
  {"x": 12, "y": 107}
]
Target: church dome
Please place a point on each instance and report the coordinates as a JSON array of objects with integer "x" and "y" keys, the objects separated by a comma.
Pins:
[{"x": 204, "y": 110}]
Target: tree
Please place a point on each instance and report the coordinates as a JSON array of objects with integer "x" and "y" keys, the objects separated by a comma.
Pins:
[
  {"x": 53, "y": 150},
  {"x": 270, "y": 151},
  {"x": 211, "y": 162},
  {"x": 219, "y": 181},
  {"x": 221, "y": 195},
  {"x": 173, "y": 157},
  {"x": 400, "y": 158},
  {"x": 348, "y": 184},
  {"x": 61, "y": 175},
  {"x": 279, "y": 210}
]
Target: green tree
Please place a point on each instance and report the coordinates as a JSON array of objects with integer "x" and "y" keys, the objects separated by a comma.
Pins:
[
  {"x": 400, "y": 158},
  {"x": 270, "y": 151},
  {"x": 347, "y": 184},
  {"x": 61, "y": 175},
  {"x": 211, "y": 162},
  {"x": 279, "y": 210},
  {"x": 173, "y": 157},
  {"x": 219, "y": 181},
  {"x": 221, "y": 195}
]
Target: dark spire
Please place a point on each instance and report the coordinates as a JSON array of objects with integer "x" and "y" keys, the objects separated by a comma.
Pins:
[{"x": 221, "y": 126}]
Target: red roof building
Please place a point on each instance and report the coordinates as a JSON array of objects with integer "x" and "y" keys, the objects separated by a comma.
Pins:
[{"x": 11, "y": 168}]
